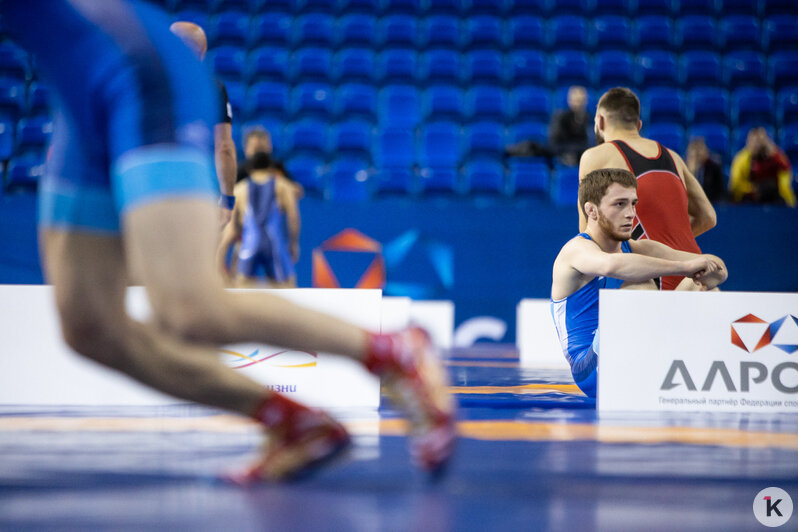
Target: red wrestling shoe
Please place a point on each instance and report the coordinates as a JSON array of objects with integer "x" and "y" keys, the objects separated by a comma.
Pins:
[
  {"x": 415, "y": 381},
  {"x": 300, "y": 439}
]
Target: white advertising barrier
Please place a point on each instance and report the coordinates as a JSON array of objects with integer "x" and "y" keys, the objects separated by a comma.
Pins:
[
  {"x": 537, "y": 341},
  {"x": 698, "y": 351},
  {"x": 437, "y": 317},
  {"x": 395, "y": 314},
  {"x": 37, "y": 368}
]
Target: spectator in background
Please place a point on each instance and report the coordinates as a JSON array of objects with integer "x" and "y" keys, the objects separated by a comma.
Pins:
[
  {"x": 568, "y": 130},
  {"x": 761, "y": 172},
  {"x": 568, "y": 133},
  {"x": 706, "y": 169}
]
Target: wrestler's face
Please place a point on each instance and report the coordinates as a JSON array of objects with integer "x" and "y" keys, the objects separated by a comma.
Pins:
[{"x": 616, "y": 214}]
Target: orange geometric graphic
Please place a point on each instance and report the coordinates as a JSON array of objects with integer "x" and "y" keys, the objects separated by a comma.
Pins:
[{"x": 353, "y": 241}]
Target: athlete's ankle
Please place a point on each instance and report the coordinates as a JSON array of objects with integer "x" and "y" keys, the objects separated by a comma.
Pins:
[{"x": 275, "y": 410}]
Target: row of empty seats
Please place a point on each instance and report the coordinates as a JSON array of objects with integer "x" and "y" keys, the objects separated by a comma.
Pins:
[
  {"x": 689, "y": 32},
  {"x": 672, "y": 8}
]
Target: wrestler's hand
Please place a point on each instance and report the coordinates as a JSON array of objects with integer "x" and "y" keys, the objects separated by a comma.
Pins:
[{"x": 708, "y": 280}]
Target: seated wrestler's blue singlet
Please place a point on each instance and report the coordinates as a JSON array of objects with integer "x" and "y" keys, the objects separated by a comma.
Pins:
[
  {"x": 134, "y": 109},
  {"x": 264, "y": 243},
  {"x": 576, "y": 319}
]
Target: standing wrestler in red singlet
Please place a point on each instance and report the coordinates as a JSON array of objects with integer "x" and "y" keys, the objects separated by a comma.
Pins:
[{"x": 673, "y": 208}]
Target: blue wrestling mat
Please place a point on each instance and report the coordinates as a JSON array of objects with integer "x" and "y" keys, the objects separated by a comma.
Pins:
[{"x": 532, "y": 456}]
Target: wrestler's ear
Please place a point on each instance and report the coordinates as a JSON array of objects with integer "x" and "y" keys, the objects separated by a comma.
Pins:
[
  {"x": 639, "y": 125},
  {"x": 591, "y": 210}
]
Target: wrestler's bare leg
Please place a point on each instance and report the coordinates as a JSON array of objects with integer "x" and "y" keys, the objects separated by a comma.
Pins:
[
  {"x": 171, "y": 244},
  {"x": 89, "y": 276}
]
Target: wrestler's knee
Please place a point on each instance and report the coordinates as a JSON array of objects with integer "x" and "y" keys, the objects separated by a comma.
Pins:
[
  {"x": 94, "y": 335},
  {"x": 193, "y": 316}
]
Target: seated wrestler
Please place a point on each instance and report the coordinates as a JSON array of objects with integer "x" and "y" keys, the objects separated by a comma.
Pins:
[{"x": 605, "y": 257}]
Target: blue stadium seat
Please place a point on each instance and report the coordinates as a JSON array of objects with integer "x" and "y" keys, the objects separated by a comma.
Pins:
[
  {"x": 788, "y": 141},
  {"x": 777, "y": 7},
  {"x": 394, "y": 155},
  {"x": 534, "y": 131},
  {"x": 228, "y": 28},
  {"x": 486, "y": 102},
  {"x": 440, "y": 66},
  {"x": 400, "y": 6},
  {"x": 528, "y": 175},
  {"x": 484, "y": 6},
  {"x": 440, "y": 30},
  {"x": 531, "y": 103},
  {"x": 657, "y": 68},
  {"x": 738, "y": 7},
  {"x": 399, "y": 106},
  {"x": 484, "y": 175},
  {"x": 397, "y": 31},
  {"x": 614, "y": 68},
  {"x": 354, "y": 64},
  {"x": 307, "y": 136},
  {"x": 665, "y": 8},
  {"x": 432, "y": 7},
  {"x": 25, "y": 170},
  {"x": 484, "y": 66},
  {"x": 266, "y": 63},
  {"x": 783, "y": 70},
  {"x": 397, "y": 65},
  {"x": 7, "y": 140},
  {"x": 752, "y": 106},
  {"x": 349, "y": 179},
  {"x": 242, "y": 6},
  {"x": 707, "y": 104},
  {"x": 358, "y": 6},
  {"x": 310, "y": 63},
  {"x": 574, "y": 7},
  {"x": 352, "y": 136},
  {"x": 744, "y": 68},
  {"x": 355, "y": 30},
  {"x": 670, "y": 135},
  {"x": 697, "y": 32},
  {"x": 269, "y": 28},
  {"x": 305, "y": 6},
  {"x": 177, "y": 5},
  {"x": 33, "y": 134},
  {"x": 12, "y": 99},
  {"x": 615, "y": 7},
  {"x": 570, "y": 68},
  {"x": 701, "y": 68},
  {"x": 485, "y": 138},
  {"x": 787, "y": 107},
  {"x": 440, "y": 154},
  {"x": 740, "y": 32},
  {"x": 569, "y": 32},
  {"x": 266, "y": 99},
  {"x": 662, "y": 104},
  {"x": 312, "y": 99},
  {"x": 314, "y": 29},
  {"x": 564, "y": 185},
  {"x": 484, "y": 31},
  {"x": 699, "y": 7},
  {"x": 613, "y": 32},
  {"x": 716, "y": 137},
  {"x": 527, "y": 31},
  {"x": 780, "y": 33},
  {"x": 655, "y": 33},
  {"x": 528, "y": 66},
  {"x": 443, "y": 102},
  {"x": 308, "y": 170},
  {"x": 356, "y": 99},
  {"x": 227, "y": 62},
  {"x": 197, "y": 16}
]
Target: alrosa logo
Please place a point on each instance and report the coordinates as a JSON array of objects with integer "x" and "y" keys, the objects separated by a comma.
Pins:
[
  {"x": 281, "y": 359},
  {"x": 750, "y": 333}
]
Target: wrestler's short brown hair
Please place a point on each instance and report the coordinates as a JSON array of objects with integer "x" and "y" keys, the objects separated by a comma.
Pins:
[
  {"x": 595, "y": 184},
  {"x": 621, "y": 106}
]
